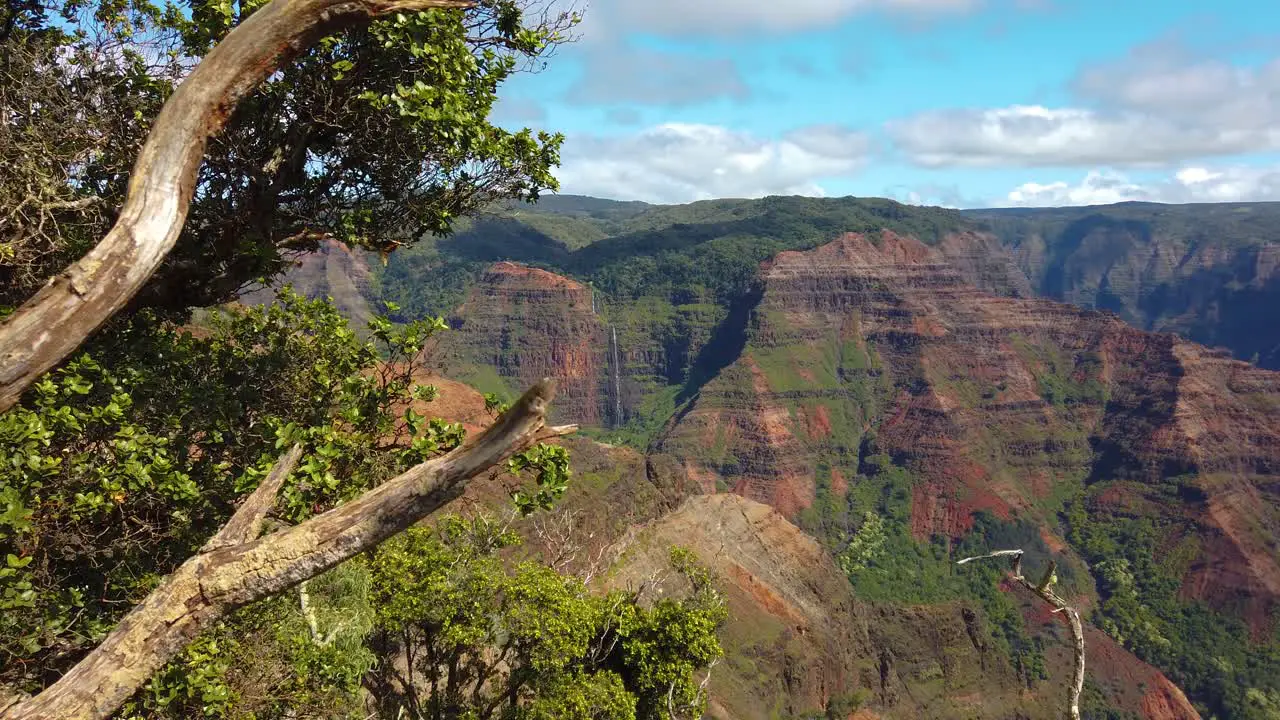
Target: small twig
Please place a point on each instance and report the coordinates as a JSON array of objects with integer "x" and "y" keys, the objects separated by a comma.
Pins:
[
  {"x": 304, "y": 603},
  {"x": 1043, "y": 589},
  {"x": 313, "y": 622}
]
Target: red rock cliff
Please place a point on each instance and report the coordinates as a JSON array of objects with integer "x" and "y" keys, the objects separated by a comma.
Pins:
[
  {"x": 995, "y": 403},
  {"x": 528, "y": 323}
]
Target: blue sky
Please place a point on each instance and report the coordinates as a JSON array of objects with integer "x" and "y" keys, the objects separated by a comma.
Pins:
[{"x": 952, "y": 102}]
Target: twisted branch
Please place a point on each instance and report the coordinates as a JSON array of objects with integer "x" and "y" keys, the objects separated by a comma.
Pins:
[
  {"x": 239, "y": 569},
  {"x": 1044, "y": 591},
  {"x": 74, "y": 303}
]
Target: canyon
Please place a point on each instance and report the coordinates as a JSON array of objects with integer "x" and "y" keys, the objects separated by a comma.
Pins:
[
  {"x": 756, "y": 369},
  {"x": 799, "y": 642}
]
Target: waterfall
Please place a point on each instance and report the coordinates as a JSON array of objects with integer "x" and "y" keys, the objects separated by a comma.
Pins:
[
  {"x": 593, "y": 302},
  {"x": 617, "y": 383}
]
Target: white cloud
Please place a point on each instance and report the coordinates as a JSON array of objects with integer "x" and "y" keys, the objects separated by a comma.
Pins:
[
  {"x": 1187, "y": 185},
  {"x": 1158, "y": 105},
  {"x": 621, "y": 73},
  {"x": 1166, "y": 78},
  {"x": 1033, "y": 135},
  {"x": 618, "y": 71},
  {"x": 676, "y": 162}
]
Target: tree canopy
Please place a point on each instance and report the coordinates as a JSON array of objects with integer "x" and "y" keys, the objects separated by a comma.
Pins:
[
  {"x": 120, "y": 467},
  {"x": 375, "y": 135}
]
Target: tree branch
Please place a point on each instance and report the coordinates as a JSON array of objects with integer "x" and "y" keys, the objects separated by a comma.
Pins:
[
  {"x": 217, "y": 581},
  {"x": 73, "y": 304},
  {"x": 1043, "y": 590},
  {"x": 246, "y": 523}
]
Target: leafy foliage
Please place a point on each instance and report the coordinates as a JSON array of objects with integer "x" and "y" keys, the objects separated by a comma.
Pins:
[
  {"x": 551, "y": 465},
  {"x": 119, "y": 464},
  {"x": 103, "y": 64},
  {"x": 461, "y": 633},
  {"x": 374, "y": 136},
  {"x": 865, "y": 547}
]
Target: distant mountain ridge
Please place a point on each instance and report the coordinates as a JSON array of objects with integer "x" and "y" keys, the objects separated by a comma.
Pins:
[{"x": 1209, "y": 272}]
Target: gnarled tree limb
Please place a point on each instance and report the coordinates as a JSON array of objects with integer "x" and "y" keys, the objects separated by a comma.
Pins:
[
  {"x": 73, "y": 304},
  {"x": 1043, "y": 589},
  {"x": 225, "y": 577}
]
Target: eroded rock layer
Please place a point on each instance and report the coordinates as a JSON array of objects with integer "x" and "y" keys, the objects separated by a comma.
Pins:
[
  {"x": 526, "y": 324},
  {"x": 997, "y": 404}
]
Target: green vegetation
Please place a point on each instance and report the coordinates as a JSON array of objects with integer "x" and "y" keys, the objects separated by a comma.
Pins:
[
  {"x": 1094, "y": 705},
  {"x": 1064, "y": 378},
  {"x": 494, "y": 639},
  {"x": 119, "y": 465},
  {"x": 887, "y": 565},
  {"x": 648, "y": 421},
  {"x": 1140, "y": 570}
]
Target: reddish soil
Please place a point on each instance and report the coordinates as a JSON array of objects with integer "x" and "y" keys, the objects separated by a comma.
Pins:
[
  {"x": 839, "y": 485},
  {"x": 535, "y": 277},
  {"x": 818, "y": 422}
]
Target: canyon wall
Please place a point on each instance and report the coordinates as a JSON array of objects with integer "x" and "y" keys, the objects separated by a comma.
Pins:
[
  {"x": 996, "y": 404},
  {"x": 1209, "y": 272},
  {"x": 524, "y": 324}
]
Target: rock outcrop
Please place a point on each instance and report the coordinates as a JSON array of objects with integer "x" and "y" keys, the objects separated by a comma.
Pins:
[
  {"x": 333, "y": 270},
  {"x": 526, "y": 324},
  {"x": 997, "y": 404}
]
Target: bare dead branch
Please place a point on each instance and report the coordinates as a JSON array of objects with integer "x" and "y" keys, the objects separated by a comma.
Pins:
[
  {"x": 313, "y": 622},
  {"x": 1045, "y": 592},
  {"x": 1017, "y": 554},
  {"x": 246, "y": 523},
  {"x": 73, "y": 304},
  {"x": 217, "y": 581}
]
